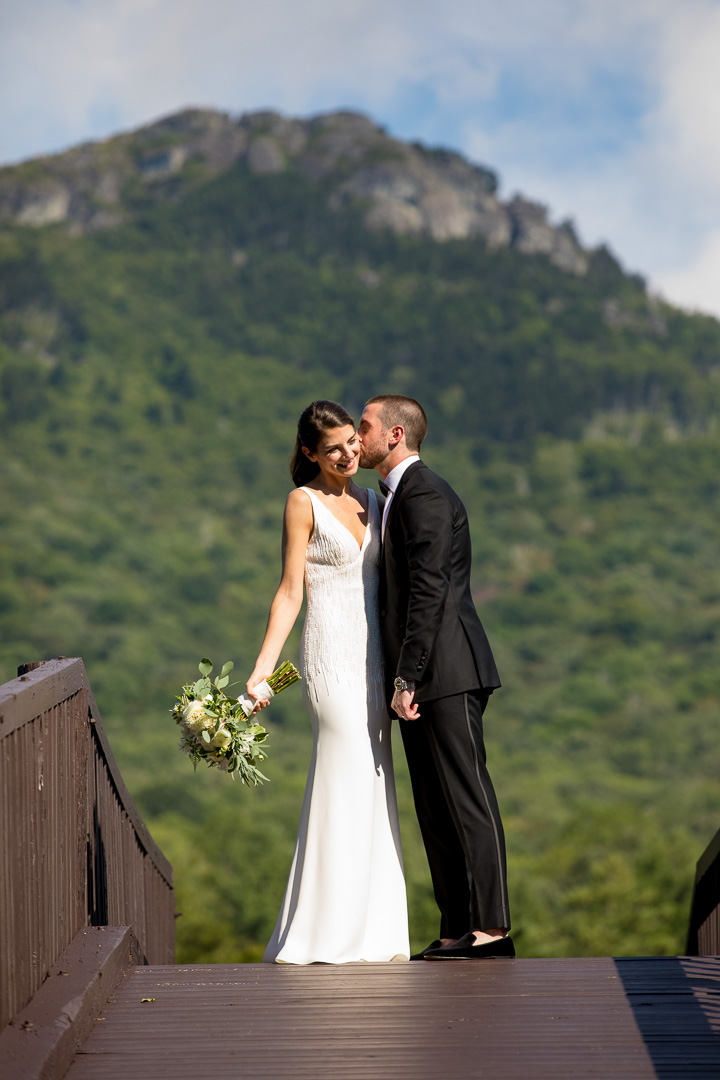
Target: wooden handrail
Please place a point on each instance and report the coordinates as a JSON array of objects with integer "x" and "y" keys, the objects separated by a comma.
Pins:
[
  {"x": 704, "y": 932},
  {"x": 74, "y": 850}
]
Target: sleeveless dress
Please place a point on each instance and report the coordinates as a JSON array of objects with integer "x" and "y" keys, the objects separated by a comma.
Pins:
[{"x": 345, "y": 898}]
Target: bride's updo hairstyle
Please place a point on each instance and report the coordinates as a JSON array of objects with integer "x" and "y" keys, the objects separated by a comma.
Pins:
[{"x": 319, "y": 417}]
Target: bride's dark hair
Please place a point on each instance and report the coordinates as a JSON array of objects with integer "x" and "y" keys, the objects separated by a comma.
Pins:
[{"x": 319, "y": 417}]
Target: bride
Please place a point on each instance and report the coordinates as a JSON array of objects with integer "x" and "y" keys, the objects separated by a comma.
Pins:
[{"x": 345, "y": 897}]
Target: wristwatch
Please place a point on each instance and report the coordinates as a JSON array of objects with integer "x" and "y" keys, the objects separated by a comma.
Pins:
[{"x": 403, "y": 684}]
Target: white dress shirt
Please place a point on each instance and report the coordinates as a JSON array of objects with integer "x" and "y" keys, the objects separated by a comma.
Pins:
[{"x": 392, "y": 480}]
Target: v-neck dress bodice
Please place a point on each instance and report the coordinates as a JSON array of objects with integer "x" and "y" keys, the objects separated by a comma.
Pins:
[
  {"x": 345, "y": 898},
  {"x": 341, "y": 640}
]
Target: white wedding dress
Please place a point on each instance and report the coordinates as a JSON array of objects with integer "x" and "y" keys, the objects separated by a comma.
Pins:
[{"x": 345, "y": 898}]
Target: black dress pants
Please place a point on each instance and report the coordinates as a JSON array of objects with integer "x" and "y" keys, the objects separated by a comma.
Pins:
[{"x": 458, "y": 813}]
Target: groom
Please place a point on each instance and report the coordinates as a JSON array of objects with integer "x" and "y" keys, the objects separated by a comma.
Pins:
[{"x": 440, "y": 673}]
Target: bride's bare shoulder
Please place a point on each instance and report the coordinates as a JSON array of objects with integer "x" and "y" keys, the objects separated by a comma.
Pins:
[{"x": 298, "y": 505}]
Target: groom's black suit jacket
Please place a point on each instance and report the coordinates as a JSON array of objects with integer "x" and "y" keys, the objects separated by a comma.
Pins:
[{"x": 431, "y": 631}]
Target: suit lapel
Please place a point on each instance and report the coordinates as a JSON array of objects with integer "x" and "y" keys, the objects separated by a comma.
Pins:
[{"x": 400, "y": 488}]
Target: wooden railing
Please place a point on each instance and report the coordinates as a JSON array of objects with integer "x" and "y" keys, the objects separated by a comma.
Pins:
[
  {"x": 74, "y": 851},
  {"x": 704, "y": 932}
]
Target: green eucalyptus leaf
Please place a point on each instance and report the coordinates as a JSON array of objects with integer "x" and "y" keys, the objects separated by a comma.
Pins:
[
  {"x": 205, "y": 737},
  {"x": 205, "y": 666},
  {"x": 227, "y": 668},
  {"x": 220, "y": 683}
]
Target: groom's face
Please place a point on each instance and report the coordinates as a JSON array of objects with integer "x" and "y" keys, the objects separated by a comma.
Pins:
[{"x": 373, "y": 437}]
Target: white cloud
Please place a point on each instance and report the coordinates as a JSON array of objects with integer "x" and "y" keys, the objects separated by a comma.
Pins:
[
  {"x": 68, "y": 60},
  {"x": 685, "y": 126},
  {"x": 648, "y": 186},
  {"x": 696, "y": 285}
]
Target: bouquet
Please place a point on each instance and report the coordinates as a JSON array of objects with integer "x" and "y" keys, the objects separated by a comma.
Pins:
[{"x": 219, "y": 729}]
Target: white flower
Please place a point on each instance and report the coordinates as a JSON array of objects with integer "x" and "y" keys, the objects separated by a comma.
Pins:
[
  {"x": 221, "y": 739},
  {"x": 195, "y": 718}
]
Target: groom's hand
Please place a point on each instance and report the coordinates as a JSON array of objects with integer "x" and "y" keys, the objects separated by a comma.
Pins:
[{"x": 402, "y": 704}]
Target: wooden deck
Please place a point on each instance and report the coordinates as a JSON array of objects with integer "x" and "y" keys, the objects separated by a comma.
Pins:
[{"x": 504, "y": 1020}]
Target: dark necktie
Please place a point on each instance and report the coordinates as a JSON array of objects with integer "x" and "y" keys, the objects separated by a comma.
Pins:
[{"x": 384, "y": 488}]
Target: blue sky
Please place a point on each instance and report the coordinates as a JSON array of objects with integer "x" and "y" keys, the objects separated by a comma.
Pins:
[{"x": 606, "y": 110}]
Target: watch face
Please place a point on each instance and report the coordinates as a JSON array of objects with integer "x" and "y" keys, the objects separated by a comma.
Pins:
[{"x": 400, "y": 684}]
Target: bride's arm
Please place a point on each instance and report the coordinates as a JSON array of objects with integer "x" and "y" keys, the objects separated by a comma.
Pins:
[{"x": 297, "y": 527}]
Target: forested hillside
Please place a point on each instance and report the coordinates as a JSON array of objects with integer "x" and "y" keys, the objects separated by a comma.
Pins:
[{"x": 153, "y": 365}]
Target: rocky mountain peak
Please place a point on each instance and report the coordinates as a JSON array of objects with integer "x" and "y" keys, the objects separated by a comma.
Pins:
[{"x": 407, "y": 188}]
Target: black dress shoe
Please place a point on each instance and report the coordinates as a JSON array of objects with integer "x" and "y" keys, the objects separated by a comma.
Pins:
[
  {"x": 433, "y": 945},
  {"x": 466, "y": 949}
]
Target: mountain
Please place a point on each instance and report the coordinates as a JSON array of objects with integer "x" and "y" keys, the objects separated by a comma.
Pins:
[
  {"x": 408, "y": 189},
  {"x": 172, "y": 298},
  {"x": 546, "y": 335}
]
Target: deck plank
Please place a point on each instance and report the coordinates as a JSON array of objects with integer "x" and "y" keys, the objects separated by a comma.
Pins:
[{"x": 504, "y": 1020}]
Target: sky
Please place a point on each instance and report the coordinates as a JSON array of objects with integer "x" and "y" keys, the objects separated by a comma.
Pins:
[{"x": 607, "y": 111}]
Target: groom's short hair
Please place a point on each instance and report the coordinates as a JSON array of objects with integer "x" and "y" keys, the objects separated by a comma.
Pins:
[{"x": 396, "y": 409}]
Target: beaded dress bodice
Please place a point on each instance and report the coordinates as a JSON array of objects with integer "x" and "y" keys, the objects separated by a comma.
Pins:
[{"x": 341, "y": 635}]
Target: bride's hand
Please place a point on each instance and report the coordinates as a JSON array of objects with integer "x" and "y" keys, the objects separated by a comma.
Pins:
[{"x": 259, "y": 675}]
